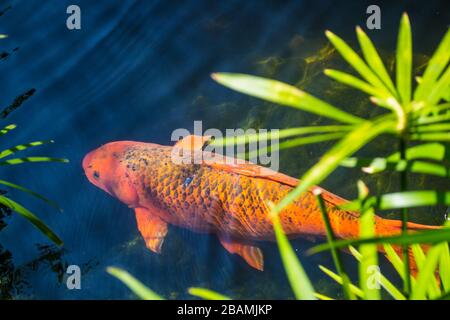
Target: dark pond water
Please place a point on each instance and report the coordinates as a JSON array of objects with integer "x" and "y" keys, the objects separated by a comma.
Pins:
[{"x": 137, "y": 70}]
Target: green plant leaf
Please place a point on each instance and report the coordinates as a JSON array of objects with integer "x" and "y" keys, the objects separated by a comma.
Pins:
[
  {"x": 354, "y": 82},
  {"x": 368, "y": 252},
  {"x": 31, "y": 159},
  {"x": 404, "y": 60},
  {"x": 377, "y": 165},
  {"x": 133, "y": 284},
  {"x": 322, "y": 296},
  {"x": 374, "y": 60},
  {"x": 432, "y": 236},
  {"x": 444, "y": 267},
  {"x": 426, "y": 274},
  {"x": 352, "y": 142},
  {"x": 355, "y": 290},
  {"x": 436, "y": 65},
  {"x": 385, "y": 283},
  {"x": 281, "y": 134},
  {"x": 22, "y": 147},
  {"x": 334, "y": 253},
  {"x": 435, "y": 136},
  {"x": 7, "y": 129},
  {"x": 14, "y": 206},
  {"x": 207, "y": 294},
  {"x": 34, "y": 194},
  {"x": 284, "y": 94},
  {"x": 400, "y": 200},
  {"x": 354, "y": 60},
  {"x": 433, "y": 151},
  {"x": 300, "y": 283},
  {"x": 420, "y": 258}
]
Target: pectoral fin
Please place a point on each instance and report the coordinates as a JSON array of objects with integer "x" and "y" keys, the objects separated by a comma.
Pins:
[
  {"x": 251, "y": 254},
  {"x": 152, "y": 229}
]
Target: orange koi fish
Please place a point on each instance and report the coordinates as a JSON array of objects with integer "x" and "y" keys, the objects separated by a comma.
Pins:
[{"x": 214, "y": 195}]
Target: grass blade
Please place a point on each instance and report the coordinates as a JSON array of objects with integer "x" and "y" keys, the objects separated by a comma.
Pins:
[
  {"x": 354, "y": 82},
  {"x": 14, "y": 206},
  {"x": 34, "y": 194},
  {"x": 354, "y": 60},
  {"x": 432, "y": 236},
  {"x": 334, "y": 253},
  {"x": 436, "y": 65},
  {"x": 404, "y": 60},
  {"x": 355, "y": 290},
  {"x": 369, "y": 257},
  {"x": 374, "y": 60},
  {"x": 133, "y": 284},
  {"x": 444, "y": 267},
  {"x": 284, "y": 94},
  {"x": 357, "y": 138},
  {"x": 207, "y": 294},
  {"x": 22, "y": 147},
  {"x": 426, "y": 273},
  {"x": 31, "y": 159},
  {"x": 385, "y": 283},
  {"x": 7, "y": 129},
  {"x": 301, "y": 286}
]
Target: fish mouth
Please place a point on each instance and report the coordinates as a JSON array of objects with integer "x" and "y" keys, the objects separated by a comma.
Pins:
[{"x": 86, "y": 164}]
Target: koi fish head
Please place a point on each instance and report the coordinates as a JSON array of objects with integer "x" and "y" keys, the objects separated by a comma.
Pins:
[{"x": 104, "y": 167}]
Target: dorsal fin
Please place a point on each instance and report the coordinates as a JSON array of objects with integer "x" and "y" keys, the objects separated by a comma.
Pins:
[{"x": 192, "y": 142}]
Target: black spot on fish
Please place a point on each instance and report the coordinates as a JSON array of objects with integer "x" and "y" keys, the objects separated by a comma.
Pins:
[{"x": 96, "y": 175}]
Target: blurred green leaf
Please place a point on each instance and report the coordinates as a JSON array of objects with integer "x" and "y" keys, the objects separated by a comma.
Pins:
[
  {"x": 368, "y": 252},
  {"x": 436, "y": 65},
  {"x": 284, "y": 94},
  {"x": 435, "y": 136},
  {"x": 426, "y": 274},
  {"x": 300, "y": 283},
  {"x": 433, "y": 151},
  {"x": 399, "y": 200},
  {"x": 133, "y": 284},
  {"x": 404, "y": 60},
  {"x": 431, "y": 236},
  {"x": 354, "y": 60},
  {"x": 21, "y": 147},
  {"x": 420, "y": 258},
  {"x": 281, "y": 134},
  {"x": 7, "y": 129},
  {"x": 334, "y": 253},
  {"x": 444, "y": 267},
  {"x": 14, "y": 206},
  {"x": 377, "y": 165},
  {"x": 31, "y": 159},
  {"x": 207, "y": 294},
  {"x": 34, "y": 194},
  {"x": 357, "y": 138},
  {"x": 355, "y": 290},
  {"x": 356, "y": 83},
  {"x": 385, "y": 283},
  {"x": 374, "y": 60}
]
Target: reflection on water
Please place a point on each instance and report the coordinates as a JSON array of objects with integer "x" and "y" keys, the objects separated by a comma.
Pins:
[{"x": 137, "y": 71}]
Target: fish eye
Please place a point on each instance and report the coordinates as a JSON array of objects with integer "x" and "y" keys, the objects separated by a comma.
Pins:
[{"x": 96, "y": 175}]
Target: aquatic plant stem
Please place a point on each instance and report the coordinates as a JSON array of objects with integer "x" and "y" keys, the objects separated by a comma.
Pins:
[
  {"x": 404, "y": 215},
  {"x": 334, "y": 253}
]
